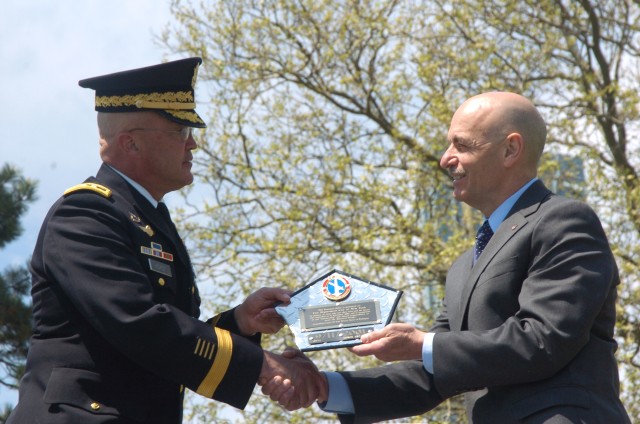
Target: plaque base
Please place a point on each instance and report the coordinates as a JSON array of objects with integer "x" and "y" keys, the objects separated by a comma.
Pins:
[{"x": 332, "y": 336}]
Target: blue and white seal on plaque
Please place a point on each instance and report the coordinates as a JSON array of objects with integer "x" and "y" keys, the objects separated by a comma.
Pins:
[{"x": 336, "y": 287}]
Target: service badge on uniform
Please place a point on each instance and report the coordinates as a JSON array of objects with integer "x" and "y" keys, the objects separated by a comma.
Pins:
[{"x": 156, "y": 250}]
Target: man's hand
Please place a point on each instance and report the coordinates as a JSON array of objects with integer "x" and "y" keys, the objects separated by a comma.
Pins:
[
  {"x": 292, "y": 380},
  {"x": 257, "y": 314},
  {"x": 395, "y": 342}
]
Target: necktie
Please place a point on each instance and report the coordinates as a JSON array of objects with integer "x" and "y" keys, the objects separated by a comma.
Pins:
[
  {"x": 164, "y": 211},
  {"x": 483, "y": 237}
]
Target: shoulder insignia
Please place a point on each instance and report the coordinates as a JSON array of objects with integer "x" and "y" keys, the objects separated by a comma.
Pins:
[{"x": 97, "y": 188}]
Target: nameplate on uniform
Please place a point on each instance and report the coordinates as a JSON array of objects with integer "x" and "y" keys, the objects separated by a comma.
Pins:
[
  {"x": 336, "y": 309},
  {"x": 160, "y": 267}
]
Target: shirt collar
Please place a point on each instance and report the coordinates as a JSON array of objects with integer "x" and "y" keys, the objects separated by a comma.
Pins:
[
  {"x": 501, "y": 212},
  {"x": 143, "y": 191}
]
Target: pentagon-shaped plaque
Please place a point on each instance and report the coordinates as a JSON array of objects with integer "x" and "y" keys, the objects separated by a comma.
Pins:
[{"x": 336, "y": 309}]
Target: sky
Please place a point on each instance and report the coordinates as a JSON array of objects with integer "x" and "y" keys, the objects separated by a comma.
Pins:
[{"x": 47, "y": 122}]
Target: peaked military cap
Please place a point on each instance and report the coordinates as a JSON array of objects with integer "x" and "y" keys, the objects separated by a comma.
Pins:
[{"x": 167, "y": 88}]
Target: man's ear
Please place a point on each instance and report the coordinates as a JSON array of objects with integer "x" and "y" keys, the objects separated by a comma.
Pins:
[
  {"x": 126, "y": 143},
  {"x": 514, "y": 150}
]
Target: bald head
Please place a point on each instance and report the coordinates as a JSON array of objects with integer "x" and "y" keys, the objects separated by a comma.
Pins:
[
  {"x": 501, "y": 113},
  {"x": 495, "y": 143}
]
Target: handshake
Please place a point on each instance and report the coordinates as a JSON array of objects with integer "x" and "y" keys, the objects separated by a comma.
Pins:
[{"x": 292, "y": 379}]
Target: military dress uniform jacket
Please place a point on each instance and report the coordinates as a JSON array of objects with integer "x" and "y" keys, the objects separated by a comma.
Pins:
[
  {"x": 526, "y": 333},
  {"x": 115, "y": 331}
]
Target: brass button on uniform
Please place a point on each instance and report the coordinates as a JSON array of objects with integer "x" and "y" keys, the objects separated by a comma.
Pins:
[
  {"x": 161, "y": 281},
  {"x": 193, "y": 289},
  {"x": 95, "y": 406}
]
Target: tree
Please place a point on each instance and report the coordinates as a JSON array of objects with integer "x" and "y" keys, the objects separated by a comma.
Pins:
[
  {"x": 328, "y": 118},
  {"x": 16, "y": 193}
]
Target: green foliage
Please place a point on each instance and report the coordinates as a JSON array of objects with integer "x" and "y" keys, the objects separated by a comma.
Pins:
[
  {"x": 15, "y": 193},
  {"x": 15, "y": 311},
  {"x": 327, "y": 120},
  {"x": 15, "y": 323}
]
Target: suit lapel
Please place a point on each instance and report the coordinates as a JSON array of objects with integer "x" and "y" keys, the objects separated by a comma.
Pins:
[
  {"x": 457, "y": 279},
  {"x": 470, "y": 274},
  {"x": 499, "y": 240}
]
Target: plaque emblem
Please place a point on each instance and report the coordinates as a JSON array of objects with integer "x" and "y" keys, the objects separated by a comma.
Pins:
[{"x": 336, "y": 287}]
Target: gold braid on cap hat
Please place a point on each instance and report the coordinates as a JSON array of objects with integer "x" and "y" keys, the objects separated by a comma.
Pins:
[
  {"x": 184, "y": 115},
  {"x": 168, "y": 100}
]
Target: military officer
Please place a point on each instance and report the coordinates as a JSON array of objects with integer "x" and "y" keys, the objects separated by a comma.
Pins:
[{"x": 116, "y": 334}]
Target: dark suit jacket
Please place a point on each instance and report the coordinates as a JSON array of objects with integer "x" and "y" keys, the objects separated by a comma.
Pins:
[
  {"x": 115, "y": 331},
  {"x": 526, "y": 332}
]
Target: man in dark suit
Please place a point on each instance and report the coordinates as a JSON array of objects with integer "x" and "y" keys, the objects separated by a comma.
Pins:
[
  {"x": 116, "y": 335},
  {"x": 526, "y": 331}
]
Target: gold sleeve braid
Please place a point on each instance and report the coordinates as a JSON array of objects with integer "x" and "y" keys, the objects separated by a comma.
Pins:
[{"x": 220, "y": 364}]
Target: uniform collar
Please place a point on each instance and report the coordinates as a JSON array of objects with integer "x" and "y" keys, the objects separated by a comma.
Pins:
[{"x": 143, "y": 191}]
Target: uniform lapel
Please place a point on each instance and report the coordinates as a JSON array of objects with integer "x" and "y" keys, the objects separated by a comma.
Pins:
[
  {"x": 111, "y": 179},
  {"x": 165, "y": 227}
]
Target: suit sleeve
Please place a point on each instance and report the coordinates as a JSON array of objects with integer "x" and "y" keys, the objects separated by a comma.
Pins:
[
  {"x": 442, "y": 321},
  {"x": 393, "y": 391},
  {"x": 94, "y": 261},
  {"x": 561, "y": 272}
]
